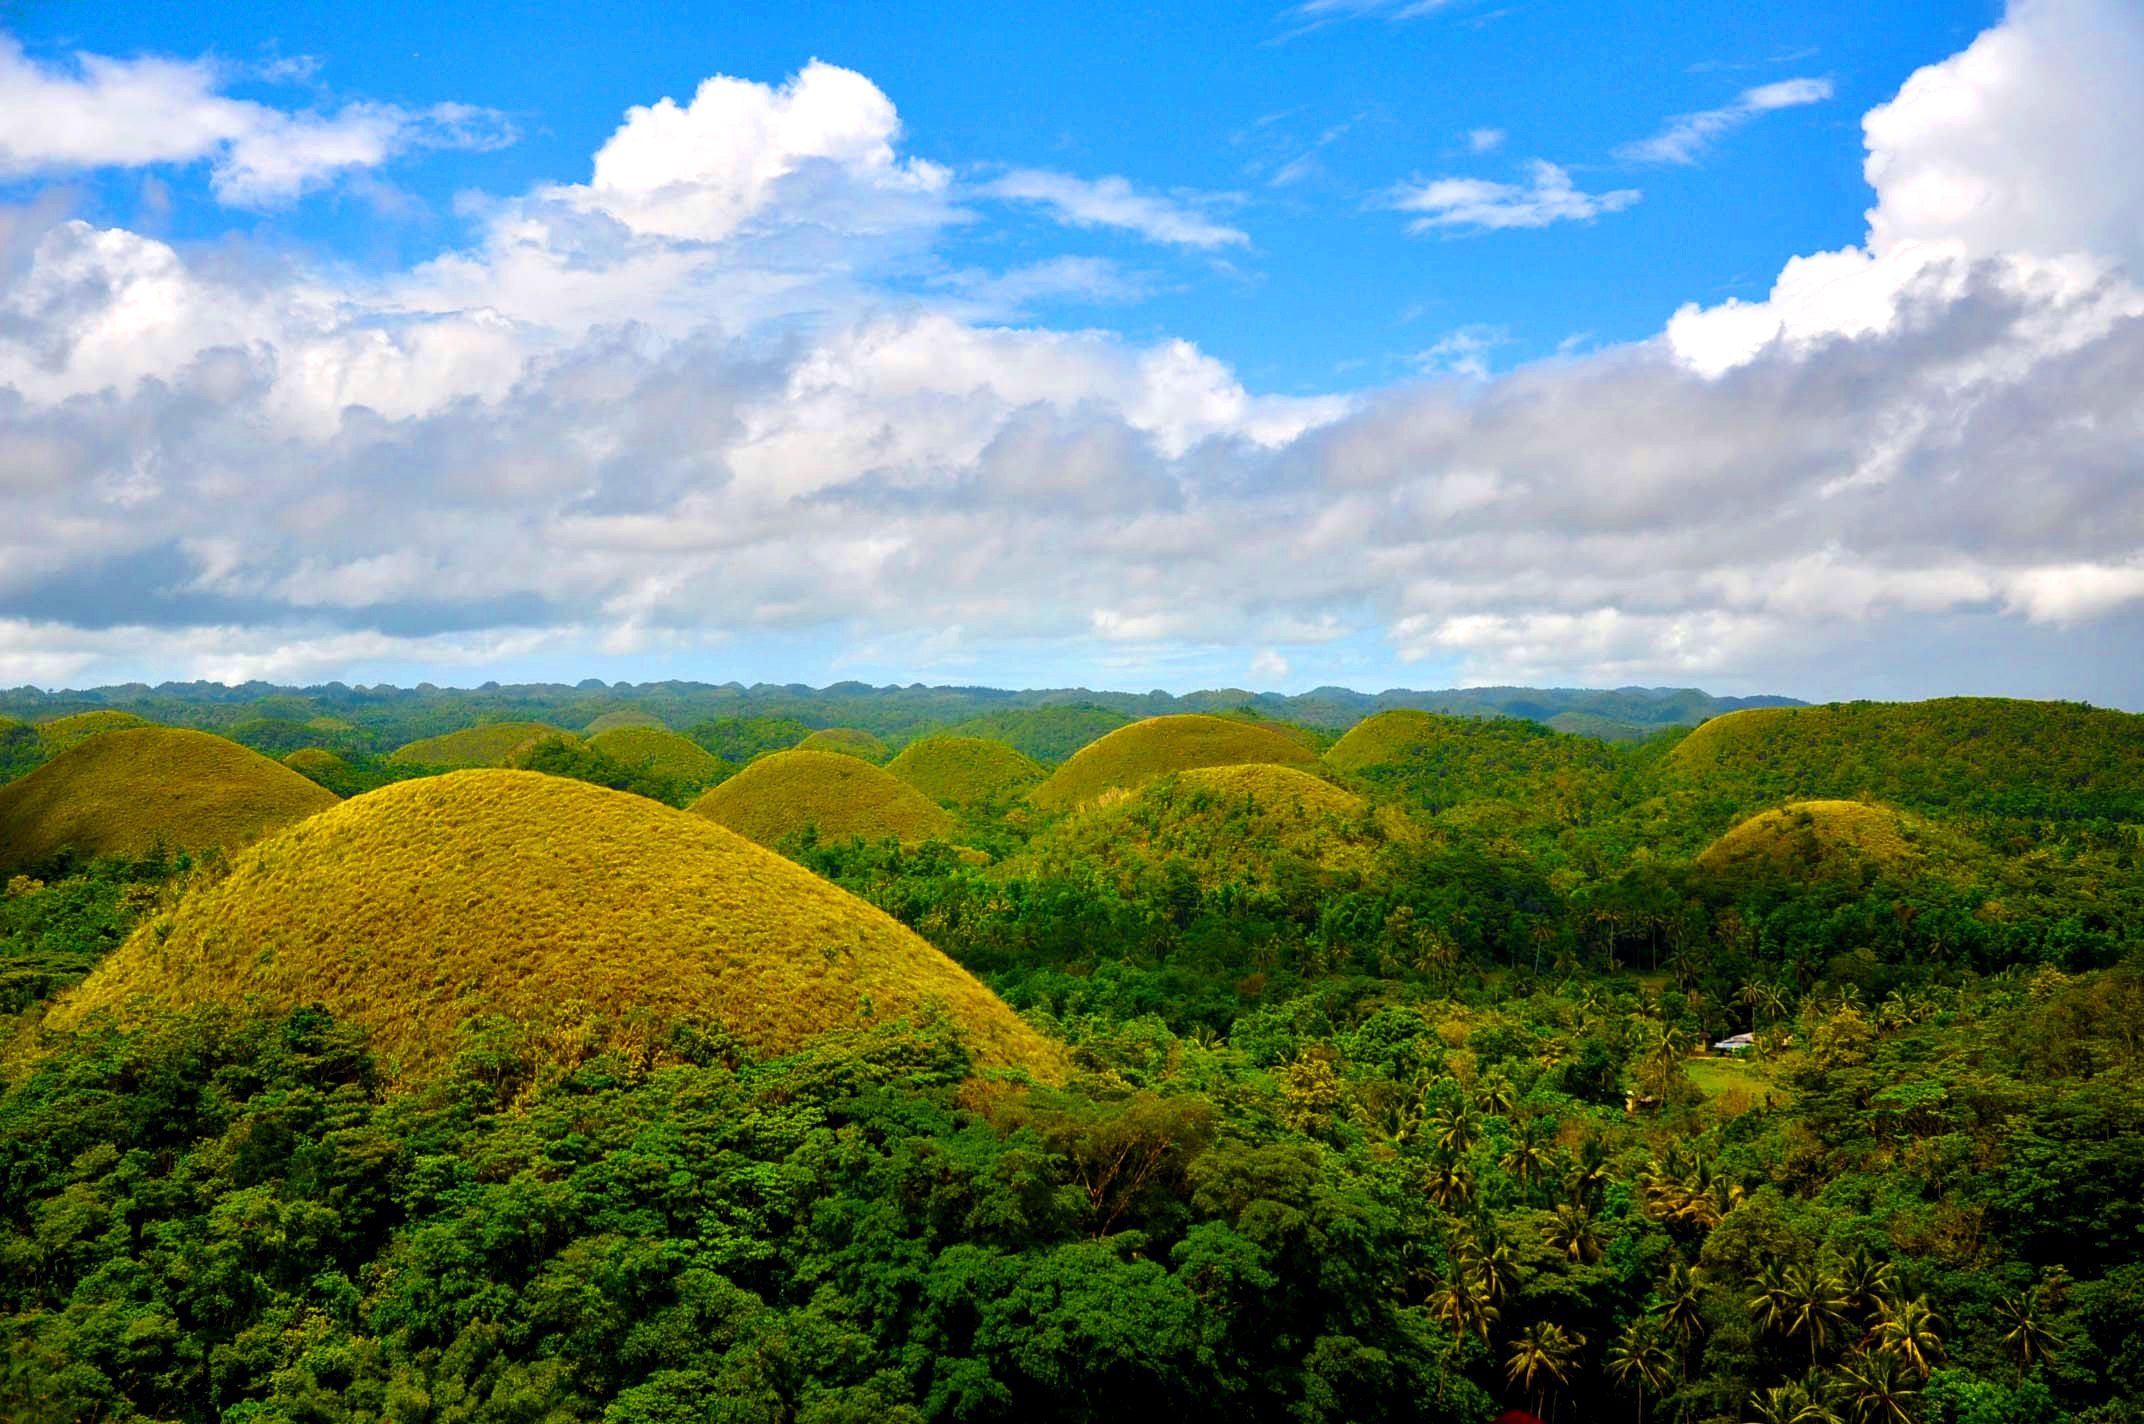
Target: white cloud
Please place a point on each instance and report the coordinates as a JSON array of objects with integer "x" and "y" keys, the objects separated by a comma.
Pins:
[
  {"x": 1112, "y": 202},
  {"x": 112, "y": 113},
  {"x": 1269, "y": 667},
  {"x": 1687, "y": 136},
  {"x": 1548, "y": 197},
  {"x": 1464, "y": 352},
  {"x": 1485, "y": 140}
]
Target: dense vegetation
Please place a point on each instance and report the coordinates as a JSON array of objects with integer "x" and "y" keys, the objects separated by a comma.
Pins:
[
  {"x": 1131, "y": 756},
  {"x": 1357, "y": 1087}
]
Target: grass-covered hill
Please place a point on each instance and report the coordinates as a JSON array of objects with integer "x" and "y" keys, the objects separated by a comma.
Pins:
[
  {"x": 1831, "y": 840},
  {"x": 138, "y": 789},
  {"x": 623, "y": 717},
  {"x": 849, "y": 741},
  {"x": 1441, "y": 761},
  {"x": 1253, "y": 825},
  {"x": 1142, "y": 751},
  {"x": 316, "y": 763},
  {"x": 1986, "y": 755},
  {"x": 966, "y": 771},
  {"x": 842, "y": 796},
  {"x": 1047, "y": 734},
  {"x": 493, "y": 744},
  {"x": 587, "y": 919},
  {"x": 661, "y": 751},
  {"x": 63, "y": 732}
]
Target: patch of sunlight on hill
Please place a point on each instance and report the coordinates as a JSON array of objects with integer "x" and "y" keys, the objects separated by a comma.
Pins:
[
  {"x": 63, "y": 732},
  {"x": 1830, "y": 840},
  {"x": 1133, "y": 755},
  {"x": 586, "y": 918},
  {"x": 130, "y": 791}
]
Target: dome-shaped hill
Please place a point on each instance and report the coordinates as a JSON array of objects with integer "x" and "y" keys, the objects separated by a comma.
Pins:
[
  {"x": 965, "y": 771},
  {"x": 493, "y": 744},
  {"x": 1440, "y": 761},
  {"x": 1226, "y": 823},
  {"x": 590, "y": 917},
  {"x": 63, "y": 732},
  {"x": 844, "y": 796},
  {"x": 2060, "y": 760},
  {"x": 849, "y": 741},
  {"x": 1048, "y": 734},
  {"x": 1830, "y": 840},
  {"x": 624, "y": 717},
  {"x": 315, "y": 762},
  {"x": 661, "y": 751},
  {"x": 1157, "y": 746},
  {"x": 130, "y": 791}
]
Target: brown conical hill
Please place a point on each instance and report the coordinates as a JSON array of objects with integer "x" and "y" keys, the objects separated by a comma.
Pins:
[
  {"x": 1242, "y": 824},
  {"x": 661, "y": 751},
  {"x": 1832, "y": 840},
  {"x": 130, "y": 791},
  {"x": 965, "y": 771},
  {"x": 589, "y": 917},
  {"x": 844, "y": 796},
  {"x": 63, "y": 732},
  {"x": 849, "y": 741},
  {"x": 1131, "y": 756},
  {"x": 493, "y": 744}
]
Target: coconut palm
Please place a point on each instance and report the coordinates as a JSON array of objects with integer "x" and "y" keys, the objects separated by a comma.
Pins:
[
  {"x": 1461, "y": 1306},
  {"x": 1572, "y": 1233},
  {"x": 1815, "y": 1306},
  {"x": 1681, "y": 1307},
  {"x": 1880, "y": 1387},
  {"x": 1450, "y": 1184},
  {"x": 1639, "y": 1361},
  {"x": 1907, "y": 1329},
  {"x": 1543, "y": 1355},
  {"x": 2027, "y": 1336},
  {"x": 1527, "y": 1158},
  {"x": 1455, "y": 1127},
  {"x": 1792, "y": 1403},
  {"x": 1865, "y": 1281}
]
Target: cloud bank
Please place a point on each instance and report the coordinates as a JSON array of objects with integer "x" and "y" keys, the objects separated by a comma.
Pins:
[{"x": 691, "y": 400}]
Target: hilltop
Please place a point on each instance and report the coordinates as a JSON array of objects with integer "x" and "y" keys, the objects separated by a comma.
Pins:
[
  {"x": 1441, "y": 761},
  {"x": 614, "y": 721},
  {"x": 843, "y": 796},
  {"x": 849, "y": 741},
  {"x": 492, "y": 744},
  {"x": 586, "y": 918},
  {"x": 1159, "y": 745},
  {"x": 965, "y": 771},
  {"x": 1823, "y": 840},
  {"x": 138, "y": 789},
  {"x": 661, "y": 751},
  {"x": 63, "y": 732}
]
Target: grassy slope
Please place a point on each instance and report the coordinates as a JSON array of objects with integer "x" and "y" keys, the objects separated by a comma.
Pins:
[
  {"x": 965, "y": 771},
  {"x": 63, "y": 732},
  {"x": 626, "y": 717},
  {"x": 1047, "y": 734},
  {"x": 589, "y": 917},
  {"x": 1136, "y": 754},
  {"x": 1827, "y": 840},
  {"x": 1224, "y": 823},
  {"x": 489, "y": 745},
  {"x": 661, "y": 751},
  {"x": 128, "y": 791},
  {"x": 1994, "y": 755},
  {"x": 315, "y": 761},
  {"x": 849, "y": 741},
  {"x": 843, "y": 796}
]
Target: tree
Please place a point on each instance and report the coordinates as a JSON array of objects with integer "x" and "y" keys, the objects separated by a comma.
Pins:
[
  {"x": 1639, "y": 1360},
  {"x": 1880, "y": 1388},
  {"x": 1907, "y": 1329},
  {"x": 1543, "y": 1355},
  {"x": 2027, "y": 1333}
]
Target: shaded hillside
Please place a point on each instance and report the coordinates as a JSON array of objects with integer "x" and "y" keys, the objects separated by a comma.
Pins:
[
  {"x": 1132, "y": 755},
  {"x": 840, "y": 796},
  {"x": 138, "y": 789},
  {"x": 589, "y": 919}
]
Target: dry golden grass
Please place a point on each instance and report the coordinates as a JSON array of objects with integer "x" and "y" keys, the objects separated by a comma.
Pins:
[
  {"x": 965, "y": 771},
  {"x": 1225, "y": 823},
  {"x": 849, "y": 741},
  {"x": 591, "y": 918},
  {"x": 844, "y": 796},
  {"x": 1157, "y": 746},
  {"x": 659, "y": 750},
  {"x": 1387, "y": 737},
  {"x": 1820, "y": 839},
  {"x": 63, "y": 732},
  {"x": 131, "y": 791},
  {"x": 613, "y": 721},
  {"x": 493, "y": 744}
]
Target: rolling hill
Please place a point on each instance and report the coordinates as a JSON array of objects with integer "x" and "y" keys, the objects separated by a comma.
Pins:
[
  {"x": 844, "y": 796},
  {"x": 965, "y": 771},
  {"x": 849, "y": 741},
  {"x": 1157, "y": 746},
  {"x": 586, "y": 918},
  {"x": 661, "y": 751},
  {"x": 493, "y": 744},
  {"x": 130, "y": 791},
  {"x": 1831, "y": 840},
  {"x": 63, "y": 732},
  {"x": 625, "y": 717}
]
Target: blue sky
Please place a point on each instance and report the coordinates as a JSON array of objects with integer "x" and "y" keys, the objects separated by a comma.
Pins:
[{"x": 1766, "y": 348}]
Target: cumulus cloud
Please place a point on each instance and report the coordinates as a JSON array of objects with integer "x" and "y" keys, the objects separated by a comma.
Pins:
[
  {"x": 1112, "y": 202},
  {"x": 655, "y": 425},
  {"x": 101, "y": 112},
  {"x": 1547, "y": 198},
  {"x": 1687, "y": 136}
]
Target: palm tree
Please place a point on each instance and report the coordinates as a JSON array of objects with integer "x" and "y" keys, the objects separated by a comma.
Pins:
[
  {"x": 1907, "y": 1329},
  {"x": 1495, "y": 1094},
  {"x": 1866, "y": 1281},
  {"x": 1450, "y": 1184},
  {"x": 1681, "y": 1307},
  {"x": 1572, "y": 1233},
  {"x": 1455, "y": 1127},
  {"x": 1461, "y": 1306},
  {"x": 2028, "y": 1336},
  {"x": 1879, "y": 1387},
  {"x": 1815, "y": 1306},
  {"x": 1791, "y": 1403},
  {"x": 1527, "y": 1158},
  {"x": 1638, "y": 1360},
  {"x": 1544, "y": 1354}
]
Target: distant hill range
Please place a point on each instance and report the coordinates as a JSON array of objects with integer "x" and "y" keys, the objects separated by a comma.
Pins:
[{"x": 395, "y": 715}]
